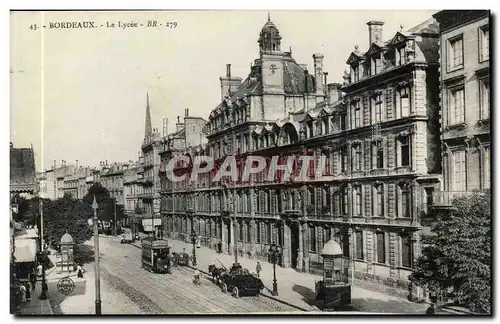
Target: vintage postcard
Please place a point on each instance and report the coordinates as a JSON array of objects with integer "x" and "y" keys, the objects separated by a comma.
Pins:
[{"x": 250, "y": 162}]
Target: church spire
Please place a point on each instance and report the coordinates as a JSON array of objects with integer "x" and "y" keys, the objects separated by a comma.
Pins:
[
  {"x": 149, "y": 128},
  {"x": 268, "y": 16}
]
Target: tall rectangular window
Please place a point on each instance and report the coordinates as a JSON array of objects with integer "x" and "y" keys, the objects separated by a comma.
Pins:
[
  {"x": 377, "y": 102},
  {"x": 258, "y": 230},
  {"x": 359, "y": 245},
  {"x": 378, "y": 162},
  {"x": 269, "y": 233},
  {"x": 457, "y": 106},
  {"x": 356, "y": 158},
  {"x": 380, "y": 247},
  {"x": 343, "y": 159},
  {"x": 312, "y": 239},
  {"x": 357, "y": 115},
  {"x": 406, "y": 251},
  {"x": 342, "y": 195},
  {"x": 403, "y": 102},
  {"x": 379, "y": 200},
  {"x": 484, "y": 97},
  {"x": 249, "y": 233},
  {"x": 342, "y": 122},
  {"x": 486, "y": 164},
  {"x": 405, "y": 201},
  {"x": 456, "y": 52},
  {"x": 356, "y": 195},
  {"x": 459, "y": 171},
  {"x": 404, "y": 151},
  {"x": 484, "y": 43},
  {"x": 400, "y": 56},
  {"x": 355, "y": 73}
]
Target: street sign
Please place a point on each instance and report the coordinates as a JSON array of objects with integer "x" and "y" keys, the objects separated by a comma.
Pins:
[{"x": 94, "y": 204}]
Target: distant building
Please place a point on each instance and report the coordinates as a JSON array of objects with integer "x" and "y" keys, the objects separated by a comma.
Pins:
[
  {"x": 465, "y": 103},
  {"x": 131, "y": 193},
  {"x": 149, "y": 165},
  {"x": 22, "y": 171}
]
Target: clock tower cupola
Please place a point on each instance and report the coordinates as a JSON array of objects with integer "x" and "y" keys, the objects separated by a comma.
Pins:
[{"x": 269, "y": 38}]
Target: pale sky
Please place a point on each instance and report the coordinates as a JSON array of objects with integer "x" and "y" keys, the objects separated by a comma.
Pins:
[{"x": 95, "y": 81}]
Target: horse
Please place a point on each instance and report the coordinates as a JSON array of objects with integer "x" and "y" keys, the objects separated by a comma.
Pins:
[{"x": 215, "y": 272}]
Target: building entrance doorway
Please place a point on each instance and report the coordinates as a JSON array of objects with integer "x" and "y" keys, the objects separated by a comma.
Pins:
[{"x": 294, "y": 244}]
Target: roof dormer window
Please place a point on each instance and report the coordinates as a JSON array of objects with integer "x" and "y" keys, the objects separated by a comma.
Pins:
[
  {"x": 400, "y": 55},
  {"x": 376, "y": 63},
  {"x": 355, "y": 72}
]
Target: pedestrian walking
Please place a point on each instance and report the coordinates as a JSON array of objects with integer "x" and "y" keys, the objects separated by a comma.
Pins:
[
  {"x": 79, "y": 271},
  {"x": 28, "y": 291},
  {"x": 23, "y": 293},
  {"x": 33, "y": 280},
  {"x": 258, "y": 269},
  {"x": 39, "y": 270}
]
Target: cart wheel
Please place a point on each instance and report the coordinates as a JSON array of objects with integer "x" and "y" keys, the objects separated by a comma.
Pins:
[
  {"x": 224, "y": 288},
  {"x": 236, "y": 293}
]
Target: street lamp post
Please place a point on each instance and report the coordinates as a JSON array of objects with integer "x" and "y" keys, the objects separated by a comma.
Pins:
[
  {"x": 97, "y": 265},
  {"x": 45, "y": 288},
  {"x": 194, "y": 237},
  {"x": 274, "y": 251}
]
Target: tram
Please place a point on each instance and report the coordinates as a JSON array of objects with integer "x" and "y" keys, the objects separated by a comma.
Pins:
[{"x": 156, "y": 255}]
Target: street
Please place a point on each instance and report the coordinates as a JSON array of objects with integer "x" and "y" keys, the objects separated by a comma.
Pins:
[{"x": 171, "y": 293}]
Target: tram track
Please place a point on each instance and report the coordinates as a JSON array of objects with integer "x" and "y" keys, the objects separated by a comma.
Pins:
[
  {"x": 211, "y": 303},
  {"x": 257, "y": 301}
]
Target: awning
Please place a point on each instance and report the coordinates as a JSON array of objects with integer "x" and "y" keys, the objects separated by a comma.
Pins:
[{"x": 24, "y": 254}]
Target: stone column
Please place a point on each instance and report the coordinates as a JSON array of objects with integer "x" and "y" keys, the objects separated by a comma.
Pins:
[
  {"x": 300, "y": 256},
  {"x": 253, "y": 232},
  {"x": 223, "y": 235},
  {"x": 286, "y": 262},
  {"x": 231, "y": 231},
  {"x": 305, "y": 246}
]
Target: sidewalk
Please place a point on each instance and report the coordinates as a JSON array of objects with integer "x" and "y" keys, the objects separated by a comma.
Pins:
[
  {"x": 36, "y": 306},
  {"x": 299, "y": 288}
]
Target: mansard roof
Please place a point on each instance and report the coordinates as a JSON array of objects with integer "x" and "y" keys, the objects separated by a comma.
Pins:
[{"x": 22, "y": 169}]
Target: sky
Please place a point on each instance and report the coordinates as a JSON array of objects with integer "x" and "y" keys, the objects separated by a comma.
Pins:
[{"x": 80, "y": 94}]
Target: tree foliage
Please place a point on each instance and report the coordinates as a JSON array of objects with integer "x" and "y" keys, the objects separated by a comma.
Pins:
[
  {"x": 106, "y": 209},
  {"x": 457, "y": 256}
]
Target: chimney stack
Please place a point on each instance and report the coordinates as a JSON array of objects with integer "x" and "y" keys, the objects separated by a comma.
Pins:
[
  {"x": 187, "y": 112},
  {"x": 77, "y": 164},
  {"x": 375, "y": 29},
  {"x": 318, "y": 74},
  {"x": 11, "y": 145},
  {"x": 228, "y": 83},
  {"x": 334, "y": 93},
  {"x": 179, "y": 126}
]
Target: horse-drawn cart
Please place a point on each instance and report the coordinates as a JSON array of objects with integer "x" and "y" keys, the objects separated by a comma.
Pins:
[
  {"x": 334, "y": 291},
  {"x": 237, "y": 280}
]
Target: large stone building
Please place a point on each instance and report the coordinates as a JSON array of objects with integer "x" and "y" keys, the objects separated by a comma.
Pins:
[
  {"x": 189, "y": 139},
  {"x": 379, "y": 132},
  {"x": 131, "y": 192},
  {"x": 390, "y": 146},
  {"x": 149, "y": 166},
  {"x": 465, "y": 103},
  {"x": 65, "y": 179}
]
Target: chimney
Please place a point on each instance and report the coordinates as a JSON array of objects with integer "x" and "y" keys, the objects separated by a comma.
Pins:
[
  {"x": 77, "y": 164},
  {"x": 187, "y": 112},
  {"x": 318, "y": 74},
  {"x": 11, "y": 145},
  {"x": 375, "y": 31},
  {"x": 106, "y": 162},
  {"x": 306, "y": 81},
  {"x": 334, "y": 93},
  {"x": 179, "y": 126},
  {"x": 228, "y": 83}
]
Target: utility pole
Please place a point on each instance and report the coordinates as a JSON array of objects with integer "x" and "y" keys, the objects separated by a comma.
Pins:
[
  {"x": 43, "y": 294},
  {"x": 114, "y": 223},
  {"x": 97, "y": 261}
]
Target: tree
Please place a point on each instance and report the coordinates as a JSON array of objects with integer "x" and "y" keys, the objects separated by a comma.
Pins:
[
  {"x": 457, "y": 257},
  {"x": 65, "y": 215},
  {"x": 106, "y": 210}
]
